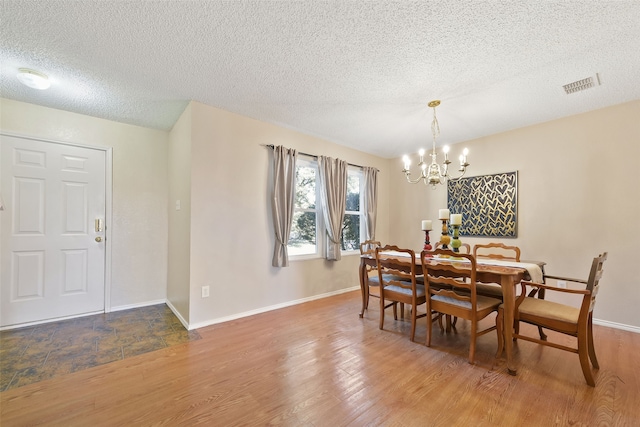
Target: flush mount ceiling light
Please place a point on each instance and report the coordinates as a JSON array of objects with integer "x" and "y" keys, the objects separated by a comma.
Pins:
[{"x": 33, "y": 79}]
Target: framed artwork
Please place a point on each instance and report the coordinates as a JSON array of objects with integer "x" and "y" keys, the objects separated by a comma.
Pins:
[{"x": 488, "y": 204}]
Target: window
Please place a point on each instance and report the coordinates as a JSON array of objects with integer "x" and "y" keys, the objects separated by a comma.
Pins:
[
  {"x": 307, "y": 221},
  {"x": 353, "y": 217},
  {"x": 303, "y": 239}
]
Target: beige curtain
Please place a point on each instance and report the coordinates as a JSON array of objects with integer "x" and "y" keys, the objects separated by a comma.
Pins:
[
  {"x": 370, "y": 201},
  {"x": 332, "y": 176},
  {"x": 282, "y": 202}
]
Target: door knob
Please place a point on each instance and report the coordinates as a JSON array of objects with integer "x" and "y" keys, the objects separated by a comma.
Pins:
[{"x": 98, "y": 239}]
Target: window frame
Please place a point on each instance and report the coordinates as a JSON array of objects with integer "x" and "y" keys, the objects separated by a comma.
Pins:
[
  {"x": 309, "y": 161},
  {"x": 356, "y": 170},
  {"x": 321, "y": 234}
]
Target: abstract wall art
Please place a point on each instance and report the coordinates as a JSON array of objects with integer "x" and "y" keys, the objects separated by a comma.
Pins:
[{"x": 488, "y": 204}]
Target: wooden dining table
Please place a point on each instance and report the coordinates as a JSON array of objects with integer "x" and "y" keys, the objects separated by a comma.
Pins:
[{"x": 506, "y": 277}]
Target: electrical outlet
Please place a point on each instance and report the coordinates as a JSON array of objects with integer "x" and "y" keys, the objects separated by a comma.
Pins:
[
  {"x": 205, "y": 292},
  {"x": 561, "y": 284}
]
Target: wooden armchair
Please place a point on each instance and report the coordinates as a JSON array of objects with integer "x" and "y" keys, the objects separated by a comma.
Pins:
[
  {"x": 562, "y": 318},
  {"x": 398, "y": 284},
  {"x": 451, "y": 290}
]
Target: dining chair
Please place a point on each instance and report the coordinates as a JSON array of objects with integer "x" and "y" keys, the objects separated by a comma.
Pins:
[
  {"x": 496, "y": 250},
  {"x": 566, "y": 319},
  {"x": 500, "y": 251},
  {"x": 451, "y": 290},
  {"x": 368, "y": 247},
  {"x": 465, "y": 248},
  {"x": 398, "y": 283}
]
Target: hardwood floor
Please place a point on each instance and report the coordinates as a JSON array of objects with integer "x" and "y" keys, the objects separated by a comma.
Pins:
[{"x": 319, "y": 364}]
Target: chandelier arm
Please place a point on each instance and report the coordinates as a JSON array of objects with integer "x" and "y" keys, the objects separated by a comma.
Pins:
[
  {"x": 459, "y": 176},
  {"x": 415, "y": 181}
]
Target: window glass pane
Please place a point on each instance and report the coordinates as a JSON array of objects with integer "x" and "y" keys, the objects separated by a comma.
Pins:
[
  {"x": 353, "y": 192},
  {"x": 303, "y": 234},
  {"x": 305, "y": 187},
  {"x": 351, "y": 232}
]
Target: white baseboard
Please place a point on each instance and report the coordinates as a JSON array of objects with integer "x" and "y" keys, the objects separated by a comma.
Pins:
[
  {"x": 615, "y": 325},
  {"x": 269, "y": 308},
  {"x": 178, "y": 315}
]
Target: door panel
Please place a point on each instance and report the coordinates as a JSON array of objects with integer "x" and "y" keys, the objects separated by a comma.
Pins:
[{"x": 52, "y": 265}]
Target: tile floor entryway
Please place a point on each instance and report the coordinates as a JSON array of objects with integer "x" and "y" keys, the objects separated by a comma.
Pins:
[{"x": 36, "y": 353}]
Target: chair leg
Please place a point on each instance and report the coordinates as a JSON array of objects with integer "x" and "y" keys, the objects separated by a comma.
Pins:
[
  {"x": 500, "y": 330},
  {"x": 382, "y": 311},
  {"x": 472, "y": 346},
  {"x": 413, "y": 324},
  {"x": 395, "y": 311},
  {"x": 429, "y": 323},
  {"x": 583, "y": 353},
  {"x": 543, "y": 337},
  {"x": 592, "y": 349}
]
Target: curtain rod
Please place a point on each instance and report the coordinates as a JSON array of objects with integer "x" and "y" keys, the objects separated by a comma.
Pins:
[{"x": 315, "y": 156}]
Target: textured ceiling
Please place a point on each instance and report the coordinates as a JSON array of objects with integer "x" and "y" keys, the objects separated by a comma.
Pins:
[{"x": 358, "y": 73}]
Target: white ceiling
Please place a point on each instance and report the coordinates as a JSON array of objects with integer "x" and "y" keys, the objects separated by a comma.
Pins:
[{"x": 358, "y": 73}]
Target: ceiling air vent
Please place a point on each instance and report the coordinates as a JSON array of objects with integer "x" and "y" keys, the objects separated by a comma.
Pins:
[{"x": 582, "y": 84}]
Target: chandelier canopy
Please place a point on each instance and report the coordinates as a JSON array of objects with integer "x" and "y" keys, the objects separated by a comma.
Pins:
[{"x": 432, "y": 173}]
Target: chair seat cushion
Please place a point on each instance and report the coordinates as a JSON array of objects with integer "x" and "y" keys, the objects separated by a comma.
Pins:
[
  {"x": 482, "y": 301},
  {"x": 548, "y": 309},
  {"x": 400, "y": 290},
  {"x": 375, "y": 280}
]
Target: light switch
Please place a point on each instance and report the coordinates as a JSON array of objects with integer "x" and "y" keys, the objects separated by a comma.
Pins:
[{"x": 177, "y": 205}]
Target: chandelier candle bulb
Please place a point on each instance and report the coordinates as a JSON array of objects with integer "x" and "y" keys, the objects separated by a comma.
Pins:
[
  {"x": 426, "y": 225},
  {"x": 456, "y": 219},
  {"x": 443, "y": 214}
]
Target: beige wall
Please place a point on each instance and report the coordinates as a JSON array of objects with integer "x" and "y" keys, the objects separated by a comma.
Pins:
[
  {"x": 139, "y": 226},
  {"x": 577, "y": 183},
  {"x": 578, "y": 195},
  {"x": 179, "y": 259},
  {"x": 231, "y": 232}
]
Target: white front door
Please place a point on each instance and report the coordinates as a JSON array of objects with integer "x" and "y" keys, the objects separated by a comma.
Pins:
[{"x": 52, "y": 248}]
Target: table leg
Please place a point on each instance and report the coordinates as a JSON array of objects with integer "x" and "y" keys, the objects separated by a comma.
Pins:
[
  {"x": 508, "y": 292},
  {"x": 364, "y": 289}
]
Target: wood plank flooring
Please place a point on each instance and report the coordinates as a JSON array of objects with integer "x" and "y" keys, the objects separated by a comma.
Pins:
[{"x": 319, "y": 364}]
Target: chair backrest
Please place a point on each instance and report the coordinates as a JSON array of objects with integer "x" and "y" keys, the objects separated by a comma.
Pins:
[
  {"x": 396, "y": 273},
  {"x": 369, "y": 247},
  {"x": 497, "y": 250},
  {"x": 465, "y": 248},
  {"x": 455, "y": 278},
  {"x": 593, "y": 282}
]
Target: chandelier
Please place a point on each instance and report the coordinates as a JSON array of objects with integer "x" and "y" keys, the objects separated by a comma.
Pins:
[{"x": 433, "y": 174}]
